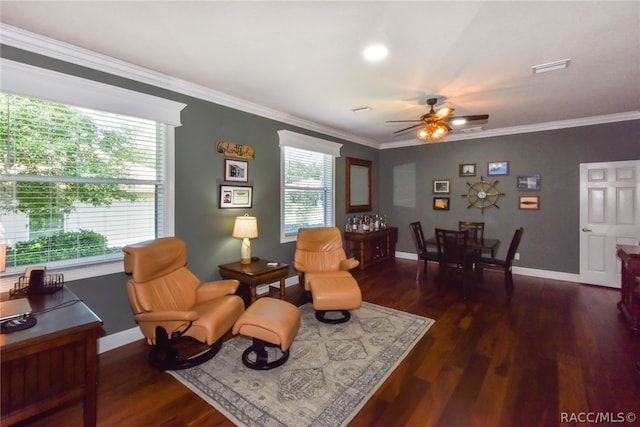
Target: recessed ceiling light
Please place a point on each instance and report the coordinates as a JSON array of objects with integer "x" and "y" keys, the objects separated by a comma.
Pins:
[
  {"x": 458, "y": 122},
  {"x": 551, "y": 66},
  {"x": 376, "y": 52}
]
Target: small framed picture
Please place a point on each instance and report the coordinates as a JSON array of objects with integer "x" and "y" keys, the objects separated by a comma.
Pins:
[
  {"x": 440, "y": 203},
  {"x": 467, "y": 169},
  {"x": 528, "y": 183},
  {"x": 235, "y": 197},
  {"x": 529, "y": 203},
  {"x": 498, "y": 168},
  {"x": 236, "y": 170},
  {"x": 441, "y": 186}
]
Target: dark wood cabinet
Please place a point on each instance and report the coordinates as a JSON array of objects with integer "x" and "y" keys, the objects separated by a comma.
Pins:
[
  {"x": 53, "y": 362},
  {"x": 372, "y": 247},
  {"x": 629, "y": 304}
]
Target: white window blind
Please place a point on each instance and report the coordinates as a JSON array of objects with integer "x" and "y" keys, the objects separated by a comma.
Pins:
[
  {"x": 308, "y": 198},
  {"x": 76, "y": 184}
]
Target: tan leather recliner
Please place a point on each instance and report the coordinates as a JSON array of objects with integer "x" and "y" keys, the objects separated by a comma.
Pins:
[
  {"x": 170, "y": 303},
  {"x": 319, "y": 253},
  {"x": 323, "y": 270}
]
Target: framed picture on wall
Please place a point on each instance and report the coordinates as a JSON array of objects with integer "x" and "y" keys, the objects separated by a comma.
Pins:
[
  {"x": 235, "y": 197},
  {"x": 440, "y": 203},
  {"x": 236, "y": 170},
  {"x": 529, "y": 203},
  {"x": 498, "y": 168},
  {"x": 441, "y": 186},
  {"x": 528, "y": 183},
  {"x": 467, "y": 169}
]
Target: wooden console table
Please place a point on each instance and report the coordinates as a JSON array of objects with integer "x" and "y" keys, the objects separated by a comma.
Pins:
[
  {"x": 255, "y": 274},
  {"x": 53, "y": 362},
  {"x": 372, "y": 247},
  {"x": 629, "y": 304}
]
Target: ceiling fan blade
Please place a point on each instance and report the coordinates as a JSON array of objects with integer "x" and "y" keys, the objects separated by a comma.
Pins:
[
  {"x": 468, "y": 118},
  {"x": 402, "y": 121},
  {"x": 409, "y": 128},
  {"x": 443, "y": 113}
]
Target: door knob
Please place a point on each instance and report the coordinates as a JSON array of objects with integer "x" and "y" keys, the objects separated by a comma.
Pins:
[{"x": 586, "y": 230}]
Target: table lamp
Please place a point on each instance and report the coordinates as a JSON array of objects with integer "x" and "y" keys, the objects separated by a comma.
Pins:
[{"x": 245, "y": 228}]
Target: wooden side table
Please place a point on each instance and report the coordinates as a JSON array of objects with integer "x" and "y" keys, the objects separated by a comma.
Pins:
[
  {"x": 255, "y": 274},
  {"x": 629, "y": 303}
]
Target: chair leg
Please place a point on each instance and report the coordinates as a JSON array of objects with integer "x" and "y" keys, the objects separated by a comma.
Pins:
[
  {"x": 508, "y": 281},
  {"x": 418, "y": 272}
]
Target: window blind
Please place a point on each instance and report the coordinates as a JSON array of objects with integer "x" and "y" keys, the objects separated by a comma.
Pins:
[
  {"x": 308, "y": 190},
  {"x": 76, "y": 184}
]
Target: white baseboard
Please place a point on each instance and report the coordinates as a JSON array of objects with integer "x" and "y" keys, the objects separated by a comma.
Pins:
[
  {"x": 130, "y": 335},
  {"x": 119, "y": 339},
  {"x": 531, "y": 272}
]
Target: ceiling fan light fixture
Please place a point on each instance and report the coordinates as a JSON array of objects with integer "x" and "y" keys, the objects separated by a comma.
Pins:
[{"x": 432, "y": 131}]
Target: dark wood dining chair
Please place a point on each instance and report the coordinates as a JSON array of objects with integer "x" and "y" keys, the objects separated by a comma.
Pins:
[
  {"x": 454, "y": 257},
  {"x": 475, "y": 229},
  {"x": 421, "y": 248},
  {"x": 505, "y": 264}
]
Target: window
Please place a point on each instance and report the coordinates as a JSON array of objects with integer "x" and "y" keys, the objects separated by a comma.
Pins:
[
  {"x": 307, "y": 183},
  {"x": 77, "y": 183}
]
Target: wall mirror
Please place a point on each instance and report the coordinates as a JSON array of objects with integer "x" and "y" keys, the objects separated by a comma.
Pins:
[{"x": 359, "y": 174}]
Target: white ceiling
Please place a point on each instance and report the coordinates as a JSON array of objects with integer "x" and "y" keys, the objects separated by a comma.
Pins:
[{"x": 303, "y": 59}]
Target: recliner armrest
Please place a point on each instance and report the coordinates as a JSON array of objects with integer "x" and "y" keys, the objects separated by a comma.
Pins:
[
  {"x": 215, "y": 289},
  {"x": 167, "y": 315},
  {"x": 348, "y": 264}
]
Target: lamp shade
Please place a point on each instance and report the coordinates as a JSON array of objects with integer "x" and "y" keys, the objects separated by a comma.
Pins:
[{"x": 245, "y": 227}]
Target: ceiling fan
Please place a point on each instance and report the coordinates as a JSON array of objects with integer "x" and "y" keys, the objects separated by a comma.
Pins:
[{"x": 435, "y": 124}]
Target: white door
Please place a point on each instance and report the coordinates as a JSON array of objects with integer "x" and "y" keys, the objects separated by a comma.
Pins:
[{"x": 609, "y": 216}]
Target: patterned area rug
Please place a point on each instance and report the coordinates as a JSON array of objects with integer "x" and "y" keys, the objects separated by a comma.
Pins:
[{"x": 331, "y": 373}]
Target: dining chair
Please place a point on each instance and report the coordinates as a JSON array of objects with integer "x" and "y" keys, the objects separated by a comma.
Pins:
[
  {"x": 505, "y": 264},
  {"x": 421, "y": 248},
  {"x": 475, "y": 229},
  {"x": 454, "y": 256}
]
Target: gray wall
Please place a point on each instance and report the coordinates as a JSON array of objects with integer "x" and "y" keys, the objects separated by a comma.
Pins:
[
  {"x": 551, "y": 237},
  {"x": 199, "y": 170},
  {"x": 551, "y": 234}
]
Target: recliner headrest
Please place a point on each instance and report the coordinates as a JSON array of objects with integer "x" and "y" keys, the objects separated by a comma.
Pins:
[
  {"x": 154, "y": 258},
  {"x": 319, "y": 239}
]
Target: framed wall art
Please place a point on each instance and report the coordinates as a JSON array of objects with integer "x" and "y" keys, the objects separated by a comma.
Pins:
[
  {"x": 529, "y": 203},
  {"x": 467, "y": 169},
  {"x": 235, "y": 197},
  {"x": 441, "y": 186},
  {"x": 498, "y": 168},
  {"x": 236, "y": 170},
  {"x": 528, "y": 183},
  {"x": 440, "y": 203}
]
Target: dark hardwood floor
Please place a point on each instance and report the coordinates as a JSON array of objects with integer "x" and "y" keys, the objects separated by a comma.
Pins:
[{"x": 558, "y": 351}]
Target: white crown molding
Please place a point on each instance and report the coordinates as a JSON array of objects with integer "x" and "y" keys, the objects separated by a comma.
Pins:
[
  {"x": 538, "y": 127},
  {"x": 22, "y": 39}
]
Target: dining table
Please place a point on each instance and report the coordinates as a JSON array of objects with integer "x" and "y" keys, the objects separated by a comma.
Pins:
[{"x": 485, "y": 245}]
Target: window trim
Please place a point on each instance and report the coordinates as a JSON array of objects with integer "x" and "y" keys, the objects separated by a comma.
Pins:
[
  {"x": 309, "y": 143},
  {"x": 27, "y": 80}
]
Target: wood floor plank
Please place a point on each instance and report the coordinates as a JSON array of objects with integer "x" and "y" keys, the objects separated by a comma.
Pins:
[{"x": 555, "y": 347}]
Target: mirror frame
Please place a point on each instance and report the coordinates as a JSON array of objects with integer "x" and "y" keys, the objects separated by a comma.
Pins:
[{"x": 351, "y": 163}]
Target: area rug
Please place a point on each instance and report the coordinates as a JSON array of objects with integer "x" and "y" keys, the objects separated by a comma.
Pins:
[{"x": 331, "y": 373}]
